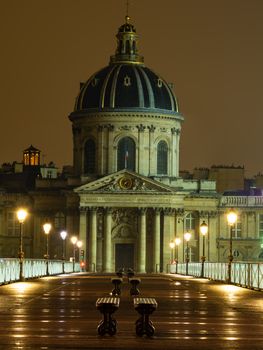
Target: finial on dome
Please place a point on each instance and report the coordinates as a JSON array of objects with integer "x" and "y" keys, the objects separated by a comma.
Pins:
[
  {"x": 127, "y": 18},
  {"x": 127, "y": 45}
]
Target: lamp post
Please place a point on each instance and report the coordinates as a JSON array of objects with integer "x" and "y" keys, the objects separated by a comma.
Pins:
[
  {"x": 187, "y": 237},
  {"x": 79, "y": 245},
  {"x": 21, "y": 216},
  {"x": 172, "y": 245},
  {"x": 177, "y": 242},
  {"x": 47, "y": 228},
  {"x": 231, "y": 219},
  {"x": 203, "y": 231},
  {"x": 74, "y": 240},
  {"x": 63, "y": 235}
]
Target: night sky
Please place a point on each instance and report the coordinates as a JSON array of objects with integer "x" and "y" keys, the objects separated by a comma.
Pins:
[{"x": 212, "y": 50}]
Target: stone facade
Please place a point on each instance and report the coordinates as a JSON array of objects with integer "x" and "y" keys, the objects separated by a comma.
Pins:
[{"x": 125, "y": 199}]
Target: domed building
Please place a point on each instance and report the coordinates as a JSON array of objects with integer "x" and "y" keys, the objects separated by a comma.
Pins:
[
  {"x": 126, "y": 116},
  {"x": 126, "y": 132},
  {"x": 125, "y": 199}
]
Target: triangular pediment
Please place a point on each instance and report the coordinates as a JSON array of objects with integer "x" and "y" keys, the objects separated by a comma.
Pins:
[{"x": 124, "y": 181}]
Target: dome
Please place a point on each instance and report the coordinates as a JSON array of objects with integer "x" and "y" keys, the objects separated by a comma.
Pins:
[
  {"x": 126, "y": 86},
  {"x": 126, "y": 83}
]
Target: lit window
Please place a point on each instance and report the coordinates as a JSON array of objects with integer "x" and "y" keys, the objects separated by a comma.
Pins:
[
  {"x": 32, "y": 159},
  {"x": 190, "y": 222},
  {"x": 26, "y": 158}
]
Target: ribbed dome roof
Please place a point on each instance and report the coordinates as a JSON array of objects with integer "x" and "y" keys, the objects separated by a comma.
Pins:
[
  {"x": 120, "y": 86},
  {"x": 126, "y": 83}
]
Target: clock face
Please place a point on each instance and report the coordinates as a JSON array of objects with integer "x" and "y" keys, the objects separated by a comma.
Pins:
[{"x": 125, "y": 182}]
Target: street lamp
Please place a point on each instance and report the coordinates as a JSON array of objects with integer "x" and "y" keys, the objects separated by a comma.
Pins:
[
  {"x": 203, "y": 231},
  {"x": 187, "y": 237},
  {"x": 79, "y": 245},
  {"x": 177, "y": 242},
  {"x": 63, "y": 235},
  {"x": 172, "y": 245},
  {"x": 21, "y": 216},
  {"x": 74, "y": 240},
  {"x": 231, "y": 219},
  {"x": 47, "y": 228}
]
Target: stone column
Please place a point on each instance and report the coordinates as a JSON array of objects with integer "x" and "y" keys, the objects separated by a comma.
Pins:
[
  {"x": 83, "y": 231},
  {"x": 173, "y": 163},
  {"x": 112, "y": 167},
  {"x": 178, "y": 132},
  {"x": 93, "y": 241},
  {"x": 168, "y": 235},
  {"x": 152, "y": 161},
  {"x": 180, "y": 233},
  {"x": 141, "y": 158},
  {"x": 107, "y": 261},
  {"x": 100, "y": 150},
  {"x": 142, "y": 242},
  {"x": 156, "y": 241},
  {"x": 212, "y": 244}
]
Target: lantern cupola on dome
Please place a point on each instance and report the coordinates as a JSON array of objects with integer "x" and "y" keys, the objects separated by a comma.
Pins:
[
  {"x": 127, "y": 45},
  {"x": 126, "y": 84}
]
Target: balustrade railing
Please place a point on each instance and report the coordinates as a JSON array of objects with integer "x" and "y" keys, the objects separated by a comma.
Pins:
[
  {"x": 32, "y": 268},
  {"x": 241, "y": 201},
  {"x": 249, "y": 275}
]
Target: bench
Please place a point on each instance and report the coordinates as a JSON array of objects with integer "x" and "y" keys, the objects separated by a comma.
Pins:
[
  {"x": 107, "y": 306},
  {"x": 130, "y": 273},
  {"x": 134, "y": 284},
  {"x": 145, "y": 307},
  {"x": 116, "y": 281},
  {"x": 120, "y": 273}
]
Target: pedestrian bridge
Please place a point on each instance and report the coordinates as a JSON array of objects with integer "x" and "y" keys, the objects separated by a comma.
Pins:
[
  {"x": 59, "y": 312},
  {"x": 10, "y": 269},
  {"x": 248, "y": 275}
]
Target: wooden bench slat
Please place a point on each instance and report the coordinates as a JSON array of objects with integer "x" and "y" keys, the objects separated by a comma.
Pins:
[
  {"x": 108, "y": 300},
  {"x": 145, "y": 301}
]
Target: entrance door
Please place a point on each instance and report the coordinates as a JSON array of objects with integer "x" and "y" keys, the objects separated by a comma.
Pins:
[{"x": 124, "y": 256}]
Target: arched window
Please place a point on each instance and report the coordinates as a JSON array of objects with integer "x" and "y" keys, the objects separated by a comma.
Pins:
[
  {"x": 126, "y": 154},
  {"x": 162, "y": 155},
  {"x": 89, "y": 157}
]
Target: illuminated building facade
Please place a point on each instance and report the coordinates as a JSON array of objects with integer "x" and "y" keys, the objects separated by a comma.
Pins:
[{"x": 125, "y": 198}]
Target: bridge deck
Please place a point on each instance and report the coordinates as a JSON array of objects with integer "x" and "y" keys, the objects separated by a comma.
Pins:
[{"x": 60, "y": 313}]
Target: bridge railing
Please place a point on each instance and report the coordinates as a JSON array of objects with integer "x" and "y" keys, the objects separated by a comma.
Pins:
[
  {"x": 32, "y": 268},
  {"x": 245, "y": 274}
]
